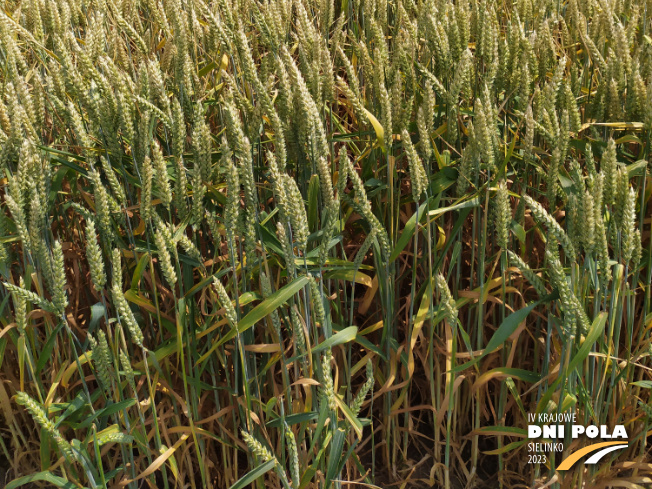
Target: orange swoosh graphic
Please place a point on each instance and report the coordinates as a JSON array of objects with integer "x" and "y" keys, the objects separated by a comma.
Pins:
[{"x": 575, "y": 456}]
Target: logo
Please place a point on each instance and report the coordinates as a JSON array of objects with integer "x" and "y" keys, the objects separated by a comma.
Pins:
[{"x": 556, "y": 428}]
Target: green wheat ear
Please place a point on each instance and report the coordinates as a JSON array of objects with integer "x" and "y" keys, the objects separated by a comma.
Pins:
[
  {"x": 225, "y": 302},
  {"x": 502, "y": 215},
  {"x": 128, "y": 371},
  {"x": 417, "y": 172},
  {"x": 367, "y": 387},
  {"x": 446, "y": 299},
  {"x": 39, "y": 415},
  {"x": 29, "y": 296},
  {"x": 165, "y": 259},
  {"x": 257, "y": 448},
  {"x": 102, "y": 358},
  {"x": 94, "y": 257},
  {"x": 328, "y": 388},
  {"x": 20, "y": 310}
]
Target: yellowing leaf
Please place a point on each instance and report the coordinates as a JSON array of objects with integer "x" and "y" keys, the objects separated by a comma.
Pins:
[
  {"x": 380, "y": 132},
  {"x": 263, "y": 348},
  {"x": 306, "y": 381},
  {"x": 350, "y": 275},
  {"x": 634, "y": 126},
  {"x": 72, "y": 368},
  {"x": 160, "y": 460}
]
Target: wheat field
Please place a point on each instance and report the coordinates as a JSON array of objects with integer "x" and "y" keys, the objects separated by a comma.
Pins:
[{"x": 311, "y": 244}]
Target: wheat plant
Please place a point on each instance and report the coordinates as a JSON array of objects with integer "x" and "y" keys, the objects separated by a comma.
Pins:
[{"x": 314, "y": 244}]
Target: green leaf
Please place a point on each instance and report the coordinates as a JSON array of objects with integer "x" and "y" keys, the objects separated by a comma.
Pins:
[
  {"x": 270, "y": 240},
  {"x": 508, "y": 326},
  {"x": 597, "y": 329},
  {"x": 259, "y": 312},
  {"x": 458, "y": 224},
  {"x": 71, "y": 165},
  {"x": 508, "y": 156},
  {"x": 443, "y": 180},
  {"x": 313, "y": 203},
  {"x": 107, "y": 411},
  {"x": 628, "y": 138},
  {"x": 97, "y": 313},
  {"x": 270, "y": 304},
  {"x": 501, "y": 335},
  {"x": 330, "y": 263},
  {"x": 293, "y": 419},
  {"x": 518, "y": 231},
  {"x": 200, "y": 285},
  {"x": 308, "y": 477},
  {"x": 345, "y": 336},
  {"x": 467, "y": 204},
  {"x": 46, "y": 353},
  {"x": 75, "y": 405},
  {"x": 316, "y": 439},
  {"x": 45, "y": 476},
  {"x": 337, "y": 446},
  {"x": 637, "y": 168},
  {"x": 162, "y": 353},
  {"x": 57, "y": 183},
  {"x": 509, "y": 382},
  {"x": 206, "y": 69},
  {"x": 408, "y": 229},
  {"x": 44, "y": 449},
  {"x": 253, "y": 475},
  {"x": 134, "y": 297},
  {"x": 140, "y": 269}
]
